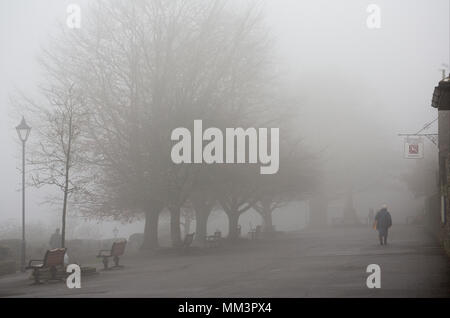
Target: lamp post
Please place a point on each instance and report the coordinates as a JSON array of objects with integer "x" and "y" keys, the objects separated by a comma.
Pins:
[{"x": 23, "y": 130}]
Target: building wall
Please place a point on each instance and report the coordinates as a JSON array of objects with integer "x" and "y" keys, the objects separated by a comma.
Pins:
[{"x": 443, "y": 230}]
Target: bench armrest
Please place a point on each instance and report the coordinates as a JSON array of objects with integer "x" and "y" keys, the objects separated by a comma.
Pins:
[
  {"x": 101, "y": 252},
  {"x": 30, "y": 263}
]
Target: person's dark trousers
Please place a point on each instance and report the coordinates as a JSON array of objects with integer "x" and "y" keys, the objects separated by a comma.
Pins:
[{"x": 383, "y": 237}]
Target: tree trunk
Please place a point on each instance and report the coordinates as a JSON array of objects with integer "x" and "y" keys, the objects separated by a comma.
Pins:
[
  {"x": 267, "y": 218},
  {"x": 63, "y": 229},
  {"x": 202, "y": 210},
  {"x": 175, "y": 231},
  {"x": 151, "y": 229},
  {"x": 265, "y": 211},
  {"x": 201, "y": 225},
  {"x": 233, "y": 220},
  {"x": 66, "y": 185}
]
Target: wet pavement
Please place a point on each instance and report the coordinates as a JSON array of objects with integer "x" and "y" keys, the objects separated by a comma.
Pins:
[{"x": 327, "y": 263}]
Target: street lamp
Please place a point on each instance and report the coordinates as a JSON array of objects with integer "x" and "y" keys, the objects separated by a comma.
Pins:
[{"x": 23, "y": 130}]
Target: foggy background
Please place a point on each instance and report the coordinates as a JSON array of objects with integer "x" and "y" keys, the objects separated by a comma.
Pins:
[{"x": 357, "y": 89}]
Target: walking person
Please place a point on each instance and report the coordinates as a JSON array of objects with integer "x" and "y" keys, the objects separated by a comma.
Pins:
[
  {"x": 55, "y": 240},
  {"x": 383, "y": 222}
]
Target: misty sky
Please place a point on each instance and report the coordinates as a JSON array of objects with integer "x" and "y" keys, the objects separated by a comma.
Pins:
[{"x": 358, "y": 86}]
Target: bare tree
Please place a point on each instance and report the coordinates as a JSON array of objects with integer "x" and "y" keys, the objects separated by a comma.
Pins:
[
  {"x": 237, "y": 193},
  {"x": 145, "y": 68},
  {"x": 296, "y": 180},
  {"x": 58, "y": 158},
  {"x": 148, "y": 68}
]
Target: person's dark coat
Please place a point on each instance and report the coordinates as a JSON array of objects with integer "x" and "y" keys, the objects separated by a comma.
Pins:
[
  {"x": 384, "y": 221},
  {"x": 55, "y": 240}
]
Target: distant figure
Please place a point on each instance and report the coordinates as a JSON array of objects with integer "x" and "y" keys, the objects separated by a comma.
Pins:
[
  {"x": 383, "y": 222},
  {"x": 55, "y": 240},
  {"x": 370, "y": 217}
]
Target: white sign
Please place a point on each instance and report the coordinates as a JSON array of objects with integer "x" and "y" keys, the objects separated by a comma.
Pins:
[{"x": 413, "y": 148}]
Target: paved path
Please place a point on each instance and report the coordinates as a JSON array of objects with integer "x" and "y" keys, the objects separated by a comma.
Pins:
[{"x": 329, "y": 263}]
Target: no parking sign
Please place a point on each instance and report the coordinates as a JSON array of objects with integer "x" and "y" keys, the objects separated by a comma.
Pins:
[{"x": 413, "y": 148}]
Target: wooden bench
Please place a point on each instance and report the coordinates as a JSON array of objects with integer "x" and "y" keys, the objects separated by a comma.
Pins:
[
  {"x": 53, "y": 260},
  {"x": 213, "y": 240},
  {"x": 117, "y": 250}
]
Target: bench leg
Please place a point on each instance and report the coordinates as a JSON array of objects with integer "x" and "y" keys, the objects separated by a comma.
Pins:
[
  {"x": 36, "y": 276},
  {"x": 53, "y": 273},
  {"x": 105, "y": 263}
]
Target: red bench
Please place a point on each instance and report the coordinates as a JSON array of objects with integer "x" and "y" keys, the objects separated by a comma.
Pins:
[
  {"x": 117, "y": 250},
  {"x": 53, "y": 260}
]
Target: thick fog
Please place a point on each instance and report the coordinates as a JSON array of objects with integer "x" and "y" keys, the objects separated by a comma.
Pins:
[{"x": 355, "y": 88}]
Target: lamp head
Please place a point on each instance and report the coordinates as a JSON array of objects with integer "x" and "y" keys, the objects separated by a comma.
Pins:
[{"x": 23, "y": 130}]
